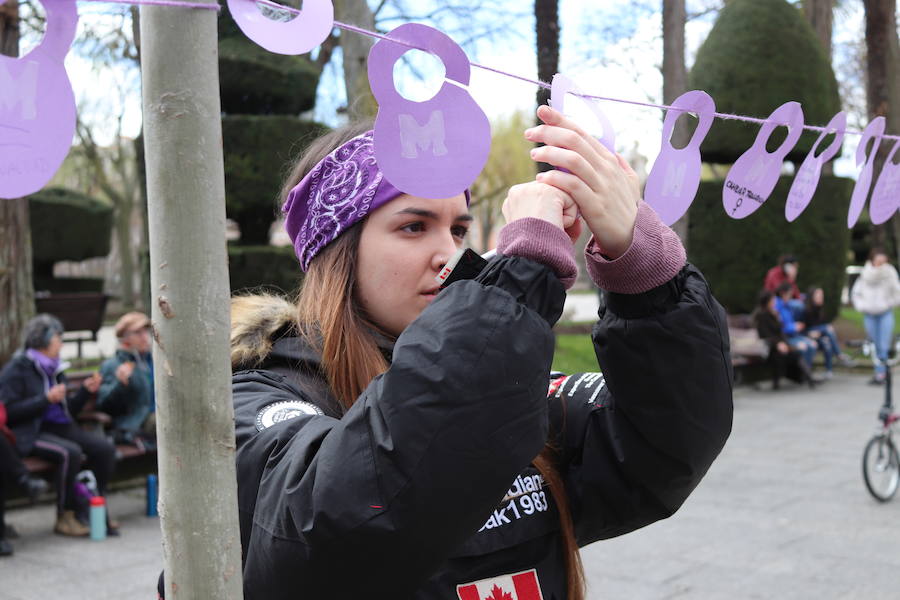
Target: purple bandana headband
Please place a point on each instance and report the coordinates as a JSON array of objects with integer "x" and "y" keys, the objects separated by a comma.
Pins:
[{"x": 341, "y": 190}]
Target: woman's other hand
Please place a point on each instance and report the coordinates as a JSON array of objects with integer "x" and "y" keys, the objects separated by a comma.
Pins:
[
  {"x": 605, "y": 189},
  {"x": 57, "y": 393},
  {"x": 541, "y": 201}
]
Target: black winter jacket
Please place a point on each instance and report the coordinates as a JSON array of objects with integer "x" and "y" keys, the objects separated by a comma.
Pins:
[
  {"x": 23, "y": 389},
  {"x": 424, "y": 488}
]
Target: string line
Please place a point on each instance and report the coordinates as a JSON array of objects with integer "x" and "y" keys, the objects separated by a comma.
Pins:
[
  {"x": 537, "y": 82},
  {"x": 206, "y": 5}
]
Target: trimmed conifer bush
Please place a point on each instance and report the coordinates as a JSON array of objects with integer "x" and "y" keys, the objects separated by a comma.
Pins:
[
  {"x": 258, "y": 154},
  {"x": 734, "y": 255},
  {"x": 263, "y": 95},
  {"x": 759, "y": 55},
  {"x": 269, "y": 267},
  {"x": 256, "y": 81},
  {"x": 67, "y": 225}
]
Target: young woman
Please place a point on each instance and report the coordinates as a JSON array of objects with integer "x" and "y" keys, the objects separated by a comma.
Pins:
[
  {"x": 875, "y": 294},
  {"x": 794, "y": 330},
  {"x": 786, "y": 359},
  {"x": 397, "y": 441},
  {"x": 820, "y": 330}
]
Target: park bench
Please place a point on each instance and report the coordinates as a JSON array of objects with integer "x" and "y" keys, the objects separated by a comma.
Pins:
[
  {"x": 80, "y": 313},
  {"x": 747, "y": 349}
]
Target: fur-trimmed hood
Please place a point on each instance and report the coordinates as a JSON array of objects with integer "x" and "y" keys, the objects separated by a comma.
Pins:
[{"x": 257, "y": 324}]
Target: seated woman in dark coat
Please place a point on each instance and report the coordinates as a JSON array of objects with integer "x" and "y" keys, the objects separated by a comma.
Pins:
[
  {"x": 785, "y": 361},
  {"x": 42, "y": 414}
]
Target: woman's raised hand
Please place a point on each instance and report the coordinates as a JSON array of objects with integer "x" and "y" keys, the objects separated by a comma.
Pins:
[
  {"x": 542, "y": 201},
  {"x": 602, "y": 185}
]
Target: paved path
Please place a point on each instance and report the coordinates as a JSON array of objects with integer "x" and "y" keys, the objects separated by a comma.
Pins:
[{"x": 782, "y": 514}]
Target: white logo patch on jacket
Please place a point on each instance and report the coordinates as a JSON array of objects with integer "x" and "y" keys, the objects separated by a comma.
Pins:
[
  {"x": 282, "y": 411},
  {"x": 514, "y": 586}
]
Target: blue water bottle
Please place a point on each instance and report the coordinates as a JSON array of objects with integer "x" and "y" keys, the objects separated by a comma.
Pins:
[
  {"x": 151, "y": 495},
  {"x": 98, "y": 518}
]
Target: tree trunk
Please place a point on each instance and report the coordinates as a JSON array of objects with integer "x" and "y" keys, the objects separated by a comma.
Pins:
[
  {"x": 143, "y": 263},
  {"x": 882, "y": 81},
  {"x": 186, "y": 197},
  {"x": 355, "y": 49},
  {"x": 820, "y": 14},
  {"x": 546, "y": 23},
  {"x": 674, "y": 73},
  {"x": 16, "y": 285},
  {"x": 122, "y": 238}
]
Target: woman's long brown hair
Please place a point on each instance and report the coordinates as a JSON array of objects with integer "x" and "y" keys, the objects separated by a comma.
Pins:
[{"x": 332, "y": 320}]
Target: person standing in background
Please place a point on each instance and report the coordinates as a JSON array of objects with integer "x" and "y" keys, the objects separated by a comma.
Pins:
[{"x": 875, "y": 294}]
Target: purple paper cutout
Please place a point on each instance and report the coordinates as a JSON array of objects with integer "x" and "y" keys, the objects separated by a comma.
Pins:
[
  {"x": 435, "y": 148},
  {"x": 675, "y": 177},
  {"x": 886, "y": 195},
  {"x": 37, "y": 106},
  {"x": 806, "y": 180},
  {"x": 754, "y": 175},
  {"x": 874, "y": 129},
  {"x": 297, "y": 36},
  {"x": 561, "y": 86}
]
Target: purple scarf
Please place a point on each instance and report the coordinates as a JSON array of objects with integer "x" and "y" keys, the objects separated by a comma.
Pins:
[{"x": 55, "y": 413}]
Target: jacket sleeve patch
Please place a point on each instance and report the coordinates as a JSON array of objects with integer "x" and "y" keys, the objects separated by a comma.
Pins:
[{"x": 275, "y": 413}]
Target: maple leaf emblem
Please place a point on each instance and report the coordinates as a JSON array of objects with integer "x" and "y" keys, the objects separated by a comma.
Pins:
[{"x": 497, "y": 593}]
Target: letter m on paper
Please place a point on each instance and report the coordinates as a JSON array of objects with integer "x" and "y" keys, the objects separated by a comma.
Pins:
[
  {"x": 20, "y": 92},
  {"x": 515, "y": 586},
  {"x": 414, "y": 136}
]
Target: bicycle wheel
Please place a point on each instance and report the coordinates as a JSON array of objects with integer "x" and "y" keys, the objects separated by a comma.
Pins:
[{"x": 881, "y": 468}]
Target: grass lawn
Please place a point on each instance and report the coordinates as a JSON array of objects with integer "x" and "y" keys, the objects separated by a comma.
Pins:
[{"x": 574, "y": 354}]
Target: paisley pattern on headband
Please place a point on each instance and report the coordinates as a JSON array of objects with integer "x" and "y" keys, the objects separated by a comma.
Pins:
[{"x": 339, "y": 193}]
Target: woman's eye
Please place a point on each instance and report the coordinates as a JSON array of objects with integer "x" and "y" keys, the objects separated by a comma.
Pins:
[
  {"x": 460, "y": 231},
  {"x": 416, "y": 227}
]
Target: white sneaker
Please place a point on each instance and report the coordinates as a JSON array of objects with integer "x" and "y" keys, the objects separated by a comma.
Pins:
[{"x": 828, "y": 374}]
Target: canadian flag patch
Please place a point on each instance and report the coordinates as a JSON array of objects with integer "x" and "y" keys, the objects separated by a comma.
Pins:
[{"x": 515, "y": 586}]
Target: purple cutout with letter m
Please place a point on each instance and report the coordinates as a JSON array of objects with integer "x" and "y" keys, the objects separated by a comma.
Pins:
[
  {"x": 37, "y": 107},
  {"x": 675, "y": 176},
  {"x": 754, "y": 175},
  {"x": 435, "y": 148},
  {"x": 806, "y": 180}
]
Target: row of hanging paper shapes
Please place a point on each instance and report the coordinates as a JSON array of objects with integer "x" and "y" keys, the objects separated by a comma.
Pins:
[{"x": 435, "y": 148}]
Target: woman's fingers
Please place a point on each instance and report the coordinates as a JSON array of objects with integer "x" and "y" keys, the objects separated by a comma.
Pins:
[
  {"x": 571, "y": 184},
  {"x": 574, "y": 230},
  {"x": 571, "y": 161},
  {"x": 560, "y": 137},
  {"x": 554, "y": 118},
  {"x": 541, "y": 201}
]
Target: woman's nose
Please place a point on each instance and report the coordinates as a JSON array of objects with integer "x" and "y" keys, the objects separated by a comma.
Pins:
[{"x": 444, "y": 250}]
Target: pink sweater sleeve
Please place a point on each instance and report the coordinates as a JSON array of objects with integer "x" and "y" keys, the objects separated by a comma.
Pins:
[
  {"x": 654, "y": 257},
  {"x": 542, "y": 242}
]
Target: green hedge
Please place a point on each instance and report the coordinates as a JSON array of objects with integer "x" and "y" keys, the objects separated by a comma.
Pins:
[
  {"x": 759, "y": 55},
  {"x": 734, "y": 255},
  {"x": 271, "y": 267},
  {"x": 67, "y": 225},
  {"x": 253, "y": 80},
  {"x": 259, "y": 151}
]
